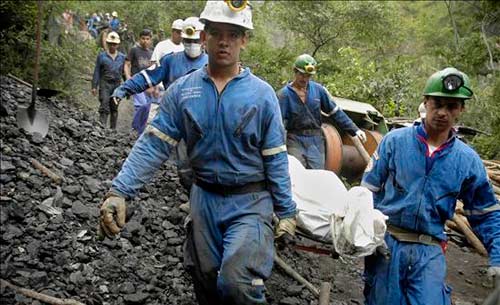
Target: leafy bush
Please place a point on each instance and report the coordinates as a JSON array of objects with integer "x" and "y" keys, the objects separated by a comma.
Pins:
[{"x": 375, "y": 52}]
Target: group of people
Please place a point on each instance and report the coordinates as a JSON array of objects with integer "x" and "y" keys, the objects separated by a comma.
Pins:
[
  {"x": 237, "y": 132},
  {"x": 148, "y": 72},
  {"x": 98, "y": 21}
]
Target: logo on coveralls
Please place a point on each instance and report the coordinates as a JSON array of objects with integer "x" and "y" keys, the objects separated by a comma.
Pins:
[{"x": 189, "y": 93}]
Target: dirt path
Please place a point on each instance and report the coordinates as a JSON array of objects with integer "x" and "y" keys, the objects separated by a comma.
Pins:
[{"x": 466, "y": 276}]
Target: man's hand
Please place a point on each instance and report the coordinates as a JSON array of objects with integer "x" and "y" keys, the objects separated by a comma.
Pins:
[
  {"x": 94, "y": 91},
  {"x": 113, "y": 213},
  {"x": 115, "y": 100},
  {"x": 494, "y": 272},
  {"x": 361, "y": 135},
  {"x": 118, "y": 95},
  {"x": 284, "y": 233}
]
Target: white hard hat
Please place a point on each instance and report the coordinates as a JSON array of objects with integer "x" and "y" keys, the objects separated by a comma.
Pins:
[
  {"x": 177, "y": 24},
  {"x": 114, "y": 14},
  {"x": 421, "y": 110},
  {"x": 192, "y": 28},
  {"x": 237, "y": 12},
  {"x": 113, "y": 37}
]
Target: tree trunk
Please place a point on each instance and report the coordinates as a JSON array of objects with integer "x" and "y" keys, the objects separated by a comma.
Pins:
[
  {"x": 453, "y": 23},
  {"x": 491, "y": 64}
]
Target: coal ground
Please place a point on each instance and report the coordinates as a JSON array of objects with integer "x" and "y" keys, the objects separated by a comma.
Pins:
[{"x": 48, "y": 230}]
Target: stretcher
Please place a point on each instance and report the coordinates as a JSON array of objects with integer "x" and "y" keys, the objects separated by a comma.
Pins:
[{"x": 331, "y": 214}]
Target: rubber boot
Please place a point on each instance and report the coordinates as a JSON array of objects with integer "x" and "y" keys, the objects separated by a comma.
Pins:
[
  {"x": 103, "y": 118},
  {"x": 113, "y": 119}
]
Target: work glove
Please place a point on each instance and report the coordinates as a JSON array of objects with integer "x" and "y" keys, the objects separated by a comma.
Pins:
[
  {"x": 361, "y": 135},
  {"x": 284, "y": 233},
  {"x": 113, "y": 215},
  {"x": 494, "y": 273},
  {"x": 118, "y": 95}
]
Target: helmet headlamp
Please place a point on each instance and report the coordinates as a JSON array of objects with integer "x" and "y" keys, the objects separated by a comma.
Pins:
[
  {"x": 452, "y": 82},
  {"x": 236, "y": 5},
  {"x": 309, "y": 68},
  {"x": 190, "y": 30}
]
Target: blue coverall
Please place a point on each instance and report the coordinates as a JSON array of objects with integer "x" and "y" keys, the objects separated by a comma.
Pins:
[
  {"x": 114, "y": 24},
  {"x": 303, "y": 122},
  {"x": 172, "y": 66},
  {"x": 418, "y": 192},
  {"x": 233, "y": 138},
  {"x": 107, "y": 76}
]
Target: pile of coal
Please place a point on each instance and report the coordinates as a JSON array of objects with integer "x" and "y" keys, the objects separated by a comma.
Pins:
[{"x": 48, "y": 239}]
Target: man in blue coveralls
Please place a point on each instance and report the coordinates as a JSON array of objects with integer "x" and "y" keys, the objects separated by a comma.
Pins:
[
  {"x": 301, "y": 102},
  {"x": 416, "y": 176},
  {"x": 108, "y": 73},
  {"x": 231, "y": 122},
  {"x": 171, "y": 67}
]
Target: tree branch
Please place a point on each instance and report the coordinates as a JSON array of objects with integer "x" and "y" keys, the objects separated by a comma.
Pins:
[{"x": 40, "y": 296}]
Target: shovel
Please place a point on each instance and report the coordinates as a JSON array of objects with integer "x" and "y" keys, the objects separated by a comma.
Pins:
[{"x": 28, "y": 118}]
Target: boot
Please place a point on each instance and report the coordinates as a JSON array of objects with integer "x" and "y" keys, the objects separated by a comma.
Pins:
[
  {"x": 103, "y": 118},
  {"x": 113, "y": 119}
]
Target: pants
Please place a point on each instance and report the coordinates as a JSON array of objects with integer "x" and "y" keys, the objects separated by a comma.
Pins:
[
  {"x": 106, "y": 89},
  {"x": 414, "y": 275},
  {"x": 229, "y": 247},
  {"x": 140, "y": 117},
  {"x": 308, "y": 149}
]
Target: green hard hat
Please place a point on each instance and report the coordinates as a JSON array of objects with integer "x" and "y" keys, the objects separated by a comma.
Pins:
[
  {"x": 449, "y": 82},
  {"x": 305, "y": 63}
]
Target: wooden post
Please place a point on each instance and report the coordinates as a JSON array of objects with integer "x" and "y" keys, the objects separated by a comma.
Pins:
[
  {"x": 471, "y": 237},
  {"x": 324, "y": 293}
]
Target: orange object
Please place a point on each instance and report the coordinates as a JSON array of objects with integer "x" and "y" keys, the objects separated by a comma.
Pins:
[{"x": 333, "y": 148}]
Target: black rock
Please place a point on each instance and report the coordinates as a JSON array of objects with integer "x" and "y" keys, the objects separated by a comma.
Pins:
[
  {"x": 72, "y": 189},
  {"x": 80, "y": 210},
  {"x": 136, "y": 298},
  {"x": 289, "y": 301}
]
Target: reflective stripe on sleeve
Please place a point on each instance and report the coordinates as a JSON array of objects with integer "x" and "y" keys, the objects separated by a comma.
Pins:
[
  {"x": 155, "y": 131},
  {"x": 273, "y": 151},
  {"x": 369, "y": 186},
  {"x": 495, "y": 207},
  {"x": 337, "y": 108},
  {"x": 146, "y": 76}
]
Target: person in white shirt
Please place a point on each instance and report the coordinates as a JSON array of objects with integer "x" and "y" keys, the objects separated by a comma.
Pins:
[{"x": 171, "y": 45}]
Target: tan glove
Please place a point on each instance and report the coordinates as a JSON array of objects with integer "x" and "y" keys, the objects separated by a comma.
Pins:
[
  {"x": 494, "y": 274},
  {"x": 361, "y": 135},
  {"x": 284, "y": 233},
  {"x": 113, "y": 213},
  {"x": 285, "y": 225}
]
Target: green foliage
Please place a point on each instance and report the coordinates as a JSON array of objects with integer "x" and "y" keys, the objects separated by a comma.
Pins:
[
  {"x": 371, "y": 51},
  {"x": 17, "y": 36}
]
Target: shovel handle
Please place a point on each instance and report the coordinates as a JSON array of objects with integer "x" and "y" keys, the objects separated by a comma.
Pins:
[
  {"x": 37, "y": 52},
  {"x": 361, "y": 149}
]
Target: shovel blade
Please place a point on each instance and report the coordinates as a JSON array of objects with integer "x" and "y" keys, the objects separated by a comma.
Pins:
[{"x": 31, "y": 120}]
